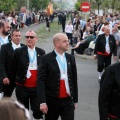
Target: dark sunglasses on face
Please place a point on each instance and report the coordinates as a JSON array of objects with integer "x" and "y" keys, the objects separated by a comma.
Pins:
[{"x": 31, "y": 37}]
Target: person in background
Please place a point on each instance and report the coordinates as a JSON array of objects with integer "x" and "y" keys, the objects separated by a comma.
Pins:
[
  {"x": 6, "y": 54},
  {"x": 5, "y": 33},
  {"x": 63, "y": 21},
  {"x": 85, "y": 43},
  {"x": 104, "y": 48},
  {"x": 76, "y": 31},
  {"x": 76, "y": 47},
  {"x": 69, "y": 31}
]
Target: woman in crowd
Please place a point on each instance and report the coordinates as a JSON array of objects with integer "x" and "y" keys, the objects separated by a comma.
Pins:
[{"x": 69, "y": 31}]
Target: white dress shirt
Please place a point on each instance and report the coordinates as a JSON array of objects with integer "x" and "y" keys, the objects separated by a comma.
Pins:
[
  {"x": 14, "y": 46},
  {"x": 32, "y": 66},
  {"x": 3, "y": 40},
  {"x": 63, "y": 75}
]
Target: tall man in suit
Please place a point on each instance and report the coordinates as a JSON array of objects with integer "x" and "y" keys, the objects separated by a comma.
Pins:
[
  {"x": 57, "y": 81},
  {"x": 104, "y": 47},
  {"x": 7, "y": 51},
  {"x": 24, "y": 71}
]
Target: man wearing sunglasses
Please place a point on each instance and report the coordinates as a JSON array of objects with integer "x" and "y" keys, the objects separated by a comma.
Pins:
[
  {"x": 7, "y": 50},
  {"x": 24, "y": 71}
]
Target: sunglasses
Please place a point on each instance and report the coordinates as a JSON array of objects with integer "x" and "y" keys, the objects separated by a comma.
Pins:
[{"x": 31, "y": 37}]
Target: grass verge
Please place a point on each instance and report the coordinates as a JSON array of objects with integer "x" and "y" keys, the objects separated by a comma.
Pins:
[{"x": 44, "y": 35}]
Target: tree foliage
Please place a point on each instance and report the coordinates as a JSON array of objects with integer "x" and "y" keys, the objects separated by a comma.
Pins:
[
  {"x": 77, "y": 6},
  {"x": 7, "y": 5},
  {"x": 39, "y": 4}
]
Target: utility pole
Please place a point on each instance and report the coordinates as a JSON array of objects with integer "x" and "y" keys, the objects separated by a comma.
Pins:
[
  {"x": 28, "y": 2},
  {"x": 99, "y": 3}
]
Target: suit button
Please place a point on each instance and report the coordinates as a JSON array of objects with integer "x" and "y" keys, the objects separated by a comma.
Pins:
[{"x": 71, "y": 97}]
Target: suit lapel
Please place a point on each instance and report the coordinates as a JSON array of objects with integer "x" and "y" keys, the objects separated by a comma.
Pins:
[
  {"x": 55, "y": 61},
  {"x": 68, "y": 63},
  {"x": 38, "y": 56},
  {"x": 25, "y": 53},
  {"x": 11, "y": 48}
]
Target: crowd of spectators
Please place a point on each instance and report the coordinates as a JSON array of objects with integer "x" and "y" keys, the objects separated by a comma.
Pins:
[{"x": 87, "y": 31}]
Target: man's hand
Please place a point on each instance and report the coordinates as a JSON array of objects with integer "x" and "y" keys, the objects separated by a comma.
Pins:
[
  {"x": 95, "y": 57},
  {"x": 115, "y": 57},
  {"x": 6, "y": 81},
  {"x": 117, "y": 42},
  {"x": 75, "y": 105},
  {"x": 44, "y": 108}
]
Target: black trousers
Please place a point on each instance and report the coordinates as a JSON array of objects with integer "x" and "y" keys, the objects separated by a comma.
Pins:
[
  {"x": 24, "y": 95},
  {"x": 8, "y": 89},
  {"x": 63, "y": 26},
  {"x": 69, "y": 35},
  {"x": 103, "y": 62},
  {"x": 72, "y": 51},
  {"x": 63, "y": 107},
  {"x": 82, "y": 47}
]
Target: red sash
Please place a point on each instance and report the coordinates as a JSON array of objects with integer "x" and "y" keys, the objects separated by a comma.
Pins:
[
  {"x": 62, "y": 90},
  {"x": 105, "y": 53},
  {"x": 31, "y": 82}
]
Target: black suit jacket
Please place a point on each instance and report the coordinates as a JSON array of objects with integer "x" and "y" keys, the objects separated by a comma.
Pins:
[
  {"x": 101, "y": 42},
  {"x": 6, "y": 54},
  {"x": 109, "y": 94},
  {"x": 20, "y": 63},
  {"x": 49, "y": 77}
]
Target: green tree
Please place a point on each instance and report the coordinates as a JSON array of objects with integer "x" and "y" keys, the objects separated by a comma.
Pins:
[
  {"x": 38, "y": 4},
  {"x": 77, "y": 6},
  {"x": 7, "y": 5}
]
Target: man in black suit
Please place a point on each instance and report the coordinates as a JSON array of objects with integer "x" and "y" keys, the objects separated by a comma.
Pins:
[
  {"x": 104, "y": 48},
  {"x": 24, "y": 69},
  {"x": 63, "y": 21},
  {"x": 6, "y": 53},
  {"x": 109, "y": 94},
  {"x": 57, "y": 81}
]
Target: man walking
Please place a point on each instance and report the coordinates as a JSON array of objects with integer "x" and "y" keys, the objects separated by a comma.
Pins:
[
  {"x": 6, "y": 54},
  {"x": 24, "y": 71},
  {"x": 104, "y": 47},
  {"x": 57, "y": 81}
]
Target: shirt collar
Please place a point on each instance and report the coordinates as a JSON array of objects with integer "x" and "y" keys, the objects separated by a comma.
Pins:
[
  {"x": 14, "y": 45},
  {"x": 59, "y": 54},
  {"x": 29, "y": 49}
]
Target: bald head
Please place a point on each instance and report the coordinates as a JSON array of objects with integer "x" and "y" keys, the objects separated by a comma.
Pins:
[
  {"x": 59, "y": 36},
  {"x": 61, "y": 43},
  {"x": 107, "y": 30}
]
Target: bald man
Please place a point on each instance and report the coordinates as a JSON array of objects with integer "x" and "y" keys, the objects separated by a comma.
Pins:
[
  {"x": 57, "y": 81},
  {"x": 104, "y": 48},
  {"x": 24, "y": 70}
]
